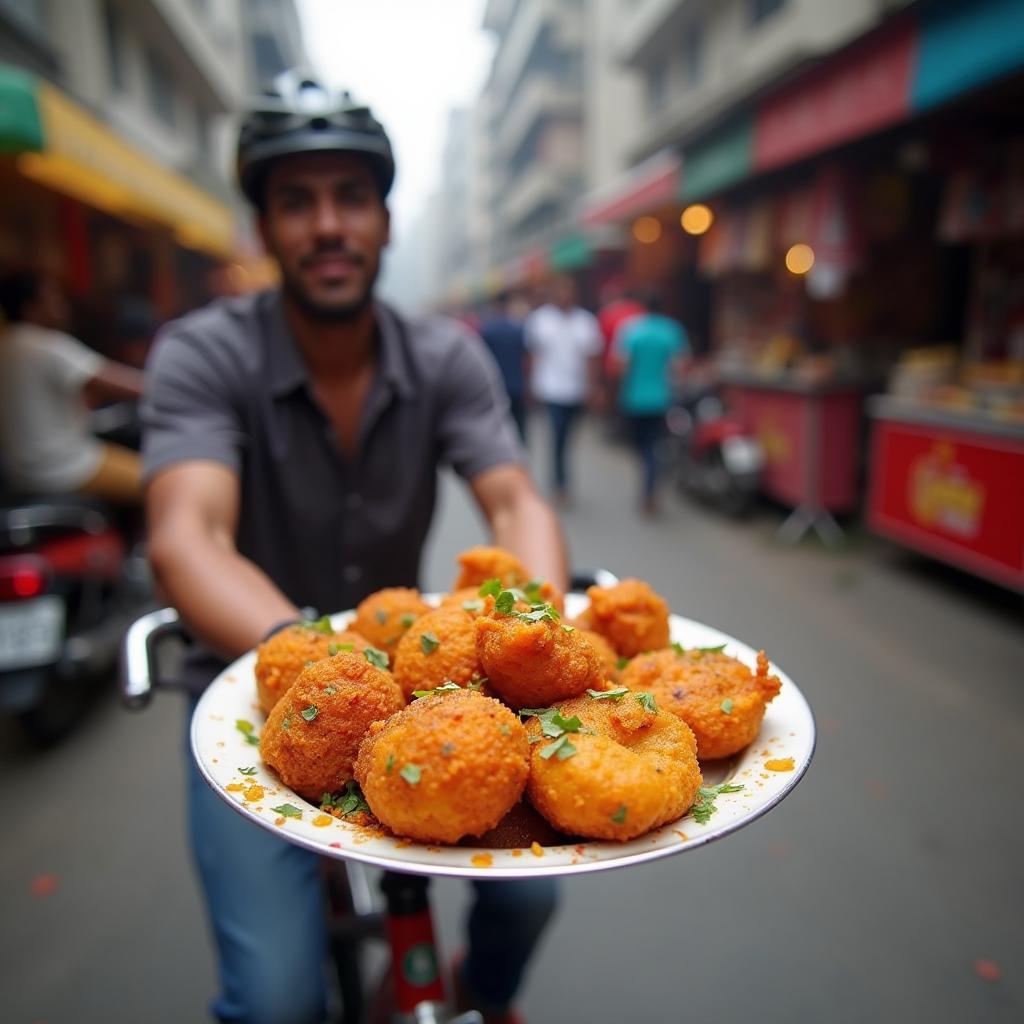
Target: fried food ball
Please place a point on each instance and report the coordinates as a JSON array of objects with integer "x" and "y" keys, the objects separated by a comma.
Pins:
[
  {"x": 718, "y": 697},
  {"x": 313, "y": 734},
  {"x": 534, "y": 664},
  {"x": 630, "y": 615},
  {"x": 444, "y": 767},
  {"x": 466, "y": 598},
  {"x": 384, "y": 616},
  {"x": 605, "y": 651},
  {"x": 480, "y": 564},
  {"x": 633, "y": 769},
  {"x": 280, "y": 659},
  {"x": 440, "y": 647}
]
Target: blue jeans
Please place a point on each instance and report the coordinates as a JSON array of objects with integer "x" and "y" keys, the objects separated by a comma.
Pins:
[
  {"x": 267, "y": 906},
  {"x": 562, "y": 419},
  {"x": 647, "y": 431}
]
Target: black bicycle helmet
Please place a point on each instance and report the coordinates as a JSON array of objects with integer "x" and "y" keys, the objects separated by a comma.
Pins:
[{"x": 297, "y": 113}]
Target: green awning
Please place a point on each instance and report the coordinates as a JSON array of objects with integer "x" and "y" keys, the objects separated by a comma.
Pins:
[
  {"x": 21, "y": 128},
  {"x": 571, "y": 253},
  {"x": 718, "y": 161}
]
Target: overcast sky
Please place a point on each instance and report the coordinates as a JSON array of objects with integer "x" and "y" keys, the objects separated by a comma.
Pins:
[{"x": 410, "y": 61}]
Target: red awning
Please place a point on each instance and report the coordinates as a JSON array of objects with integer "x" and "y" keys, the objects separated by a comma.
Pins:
[{"x": 642, "y": 189}]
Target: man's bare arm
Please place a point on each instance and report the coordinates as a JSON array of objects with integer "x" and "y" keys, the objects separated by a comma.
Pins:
[
  {"x": 522, "y": 522},
  {"x": 114, "y": 381},
  {"x": 192, "y": 511}
]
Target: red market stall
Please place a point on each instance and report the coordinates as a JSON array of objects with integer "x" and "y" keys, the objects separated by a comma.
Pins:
[
  {"x": 810, "y": 434},
  {"x": 950, "y": 485}
]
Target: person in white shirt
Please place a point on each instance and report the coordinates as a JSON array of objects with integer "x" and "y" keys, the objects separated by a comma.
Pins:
[
  {"x": 565, "y": 345},
  {"x": 48, "y": 380}
]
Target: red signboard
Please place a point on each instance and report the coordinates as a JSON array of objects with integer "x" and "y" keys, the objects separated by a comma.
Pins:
[
  {"x": 862, "y": 90},
  {"x": 954, "y": 495}
]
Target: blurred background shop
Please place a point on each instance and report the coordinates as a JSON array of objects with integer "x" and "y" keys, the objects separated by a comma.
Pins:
[
  {"x": 115, "y": 140},
  {"x": 830, "y": 194}
]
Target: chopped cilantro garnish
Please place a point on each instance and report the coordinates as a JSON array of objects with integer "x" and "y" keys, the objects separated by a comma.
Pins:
[
  {"x": 330, "y": 690},
  {"x": 287, "y": 811},
  {"x": 620, "y": 815},
  {"x": 678, "y": 648},
  {"x": 429, "y": 643},
  {"x": 286, "y": 723},
  {"x": 376, "y": 657},
  {"x": 552, "y": 722},
  {"x": 407, "y": 620},
  {"x": 381, "y": 616},
  {"x": 248, "y": 771},
  {"x": 726, "y": 705},
  {"x": 351, "y": 801},
  {"x": 474, "y": 606},
  {"x": 534, "y": 591},
  {"x": 621, "y": 663},
  {"x": 333, "y": 649},
  {"x": 647, "y": 700},
  {"x": 562, "y": 747},
  {"x": 390, "y": 763},
  {"x": 490, "y": 588},
  {"x": 246, "y": 729},
  {"x": 704, "y": 806},
  {"x": 568, "y": 629},
  {"x": 446, "y": 687},
  {"x": 321, "y": 625},
  {"x": 712, "y": 650},
  {"x": 411, "y": 773},
  {"x": 617, "y": 694},
  {"x": 505, "y": 602},
  {"x": 505, "y": 729},
  {"x": 310, "y": 713}
]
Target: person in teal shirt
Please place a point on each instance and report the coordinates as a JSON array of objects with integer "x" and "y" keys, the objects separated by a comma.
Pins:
[{"x": 648, "y": 349}]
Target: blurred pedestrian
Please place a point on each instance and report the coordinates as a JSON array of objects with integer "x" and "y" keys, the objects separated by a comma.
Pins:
[
  {"x": 564, "y": 342},
  {"x": 48, "y": 381},
  {"x": 292, "y": 443},
  {"x": 502, "y": 332},
  {"x": 648, "y": 350}
]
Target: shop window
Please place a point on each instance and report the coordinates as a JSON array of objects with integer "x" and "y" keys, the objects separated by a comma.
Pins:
[
  {"x": 115, "y": 47},
  {"x": 161, "y": 89},
  {"x": 693, "y": 53},
  {"x": 657, "y": 87},
  {"x": 762, "y": 10}
]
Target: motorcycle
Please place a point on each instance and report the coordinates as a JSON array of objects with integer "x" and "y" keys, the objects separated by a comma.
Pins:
[
  {"x": 70, "y": 585},
  {"x": 714, "y": 456}
]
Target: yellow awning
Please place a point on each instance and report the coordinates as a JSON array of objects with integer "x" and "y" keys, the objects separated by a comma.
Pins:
[{"x": 84, "y": 159}]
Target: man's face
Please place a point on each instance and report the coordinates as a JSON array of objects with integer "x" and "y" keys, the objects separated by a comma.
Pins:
[{"x": 325, "y": 223}]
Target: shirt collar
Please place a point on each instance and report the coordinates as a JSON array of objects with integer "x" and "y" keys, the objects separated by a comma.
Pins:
[{"x": 288, "y": 371}]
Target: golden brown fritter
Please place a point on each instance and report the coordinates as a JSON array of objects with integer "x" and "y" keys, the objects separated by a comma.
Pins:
[
  {"x": 440, "y": 647},
  {"x": 466, "y": 598},
  {"x": 313, "y": 734},
  {"x": 480, "y": 564},
  {"x": 280, "y": 659},
  {"x": 534, "y": 664},
  {"x": 630, "y": 615},
  {"x": 445, "y": 767},
  {"x": 629, "y": 768},
  {"x": 384, "y": 616},
  {"x": 605, "y": 651},
  {"x": 721, "y": 700}
]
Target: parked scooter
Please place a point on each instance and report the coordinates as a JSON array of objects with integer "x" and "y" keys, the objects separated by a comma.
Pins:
[
  {"x": 70, "y": 584},
  {"x": 715, "y": 458}
]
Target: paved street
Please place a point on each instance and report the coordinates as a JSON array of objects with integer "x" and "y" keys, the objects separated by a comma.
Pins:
[{"x": 887, "y": 887}]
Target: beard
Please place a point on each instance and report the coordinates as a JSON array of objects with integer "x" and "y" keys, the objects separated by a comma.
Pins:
[{"x": 325, "y": 310}]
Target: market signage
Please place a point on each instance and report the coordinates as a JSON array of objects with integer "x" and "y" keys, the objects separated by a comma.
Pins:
[
  {"x": 955, "y": 496},
  {"x": 862, "y": 90}
]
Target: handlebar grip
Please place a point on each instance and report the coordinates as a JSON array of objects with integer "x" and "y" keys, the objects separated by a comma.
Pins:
[{"x": 138, "y": 671}]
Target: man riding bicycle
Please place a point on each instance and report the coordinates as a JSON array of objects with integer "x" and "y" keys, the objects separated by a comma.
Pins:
[{"x": 291, "y": 449}]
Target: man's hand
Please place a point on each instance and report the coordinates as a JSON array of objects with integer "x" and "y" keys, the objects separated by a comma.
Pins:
[{"x": 522, "y": 522}]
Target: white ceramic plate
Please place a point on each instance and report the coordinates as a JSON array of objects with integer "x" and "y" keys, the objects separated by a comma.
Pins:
[{"x": 221, "y": 751}]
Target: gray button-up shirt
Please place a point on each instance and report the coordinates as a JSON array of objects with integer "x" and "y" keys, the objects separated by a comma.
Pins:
[{"x": 228, "y": 384}]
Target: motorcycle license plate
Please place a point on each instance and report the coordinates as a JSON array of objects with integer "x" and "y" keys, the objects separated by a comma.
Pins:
[{"x": 31, "y": 632}]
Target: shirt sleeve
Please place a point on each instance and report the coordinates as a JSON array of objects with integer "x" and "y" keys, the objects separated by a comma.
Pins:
[
  {"x": 475, "y": 430},
  {"x": 594, "y": 339},
  {"x": 72, "y": 362},
  {"x": 188, "y": 409}
]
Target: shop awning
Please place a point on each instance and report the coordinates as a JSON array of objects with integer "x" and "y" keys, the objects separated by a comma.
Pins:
[
  {"x": 573, "y": 252},
  {"x": 642, "y": 189},
  {"x": 720, "y": 160},
  {"x": 67, "y": 149}
]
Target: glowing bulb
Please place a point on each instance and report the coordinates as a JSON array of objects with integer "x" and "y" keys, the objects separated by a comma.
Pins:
[
  {"x": 647, "y": 229},
  {"x": 696, "y": 219},
  {"x": 799, "y": 258}
]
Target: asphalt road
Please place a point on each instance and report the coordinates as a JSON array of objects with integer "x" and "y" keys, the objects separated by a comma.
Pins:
[{"x": 886, "y": 887}]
